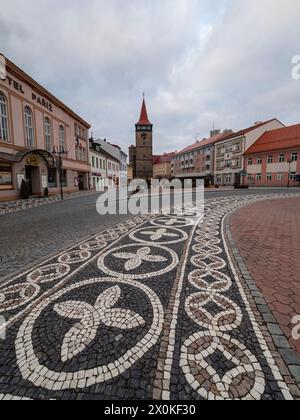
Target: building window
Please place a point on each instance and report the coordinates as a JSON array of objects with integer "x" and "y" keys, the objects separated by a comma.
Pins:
[
  {"x": 62, "y": 143},
  {"x": 6, "y": 176},
  {"x": 281, "y": 158},
  {"x": 29, "y": 127},
  {"x": 48, "y": 135},
  {"x": 64, "y": 178},
  {"x": 3, "y": 118},
  {"x": 228, "y": 179},
  {"x": 93, "y": 161},
  {"x": 269, "y": 177},
  {"x": 293, "y": 176},
  {"x": 280, "y": 177},
  {"x": 52, "y": 183},
  {"x": 270, "y": 159},
  {"x": 258, "y": 177},
  {"x": 250, "y": 161},
  {"x": 259, "y": 161},
  {"x": 294, "y": 157}
]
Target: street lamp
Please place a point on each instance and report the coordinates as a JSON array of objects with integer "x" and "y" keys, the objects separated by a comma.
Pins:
[
  {"x": 60, "y": 154},
  {"x": 289, "y": 175}
]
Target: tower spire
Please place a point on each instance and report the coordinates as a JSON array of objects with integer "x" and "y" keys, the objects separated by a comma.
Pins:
[{"x": 144, "y": 119}]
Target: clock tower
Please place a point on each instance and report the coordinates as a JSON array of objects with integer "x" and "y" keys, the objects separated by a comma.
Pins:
[{"x": 144, "y": 146}]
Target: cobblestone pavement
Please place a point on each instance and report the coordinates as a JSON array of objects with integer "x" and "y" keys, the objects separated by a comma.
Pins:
[
  {"x": 34, "y": 235},
  {"x": 15, "y": 206},
  {"x": 155, "y": 307},
  {"x": 272, "y": 255}
]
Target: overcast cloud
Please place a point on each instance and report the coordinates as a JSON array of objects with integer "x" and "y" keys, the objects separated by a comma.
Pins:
[{"x": 198, "y": 61}]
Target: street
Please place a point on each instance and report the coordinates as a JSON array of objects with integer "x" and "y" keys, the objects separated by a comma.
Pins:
[{"x": 144, "y": 307}]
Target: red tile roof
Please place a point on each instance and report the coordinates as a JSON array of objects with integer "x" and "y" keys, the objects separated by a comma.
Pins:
[
  {"x": 144, "y": 115},
  {"x": 223, "y": 136},
  {"x": 279, "y": 139},
  {"x": 167, "y": 157},
  {"x": 249, "y": 129},
  {"x": 203, "y": 143}
]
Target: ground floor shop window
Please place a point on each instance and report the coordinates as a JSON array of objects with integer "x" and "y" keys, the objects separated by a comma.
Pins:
[
  {"x": 64, "y": 178},
  {"x": 52, "y": 181},
  {"x": 5, "y": 176}
]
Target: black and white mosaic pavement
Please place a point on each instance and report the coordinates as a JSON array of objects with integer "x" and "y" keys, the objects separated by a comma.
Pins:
[{"x": 151, "y": 308}]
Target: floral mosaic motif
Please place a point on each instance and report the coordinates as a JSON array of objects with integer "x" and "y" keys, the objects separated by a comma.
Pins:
[
  {"x": 80, "y": 336},
  {"x": 171, "y": 222},
  {"x": 136, "y": 260},
  {"x": 159, "y": 234}
]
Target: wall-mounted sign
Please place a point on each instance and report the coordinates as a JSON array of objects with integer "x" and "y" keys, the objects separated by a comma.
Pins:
[
  {"x": 20, "y": 179},
  {"x": 2, "y": 67},
  {"x": 33, "y": 160},
  {"x": 44, "y": 182},
  {"x": 43, "y": 102},
  {"x": 16, "y": 85},
  {"x": 5, "y": 176}
]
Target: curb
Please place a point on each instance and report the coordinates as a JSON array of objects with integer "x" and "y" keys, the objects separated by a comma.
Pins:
[{"x": 283, "y": 347}]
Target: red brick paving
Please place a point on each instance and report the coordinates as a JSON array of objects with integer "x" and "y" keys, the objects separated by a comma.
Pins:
[{"x": 268, "y": 237}]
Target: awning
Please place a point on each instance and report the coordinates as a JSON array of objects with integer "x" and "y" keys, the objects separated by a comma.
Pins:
[{"x": 47, "y": 156}]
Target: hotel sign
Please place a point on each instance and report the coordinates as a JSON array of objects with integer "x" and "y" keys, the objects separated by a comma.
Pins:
[
  {"x": 19, "y": 88},
  {"x": 33, "y": 160},
  {"x": 16, "y": 85},
  {"x": 43, "y": 102}
]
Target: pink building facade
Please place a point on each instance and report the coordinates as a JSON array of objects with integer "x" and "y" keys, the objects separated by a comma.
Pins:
[
  {"x": 34, "y": 127},
  {"x": 274, "y": 160}
]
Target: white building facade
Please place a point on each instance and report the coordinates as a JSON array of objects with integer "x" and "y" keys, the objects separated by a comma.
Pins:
[
  {"x": 229, "y": 152},
  {"x": 105, "y": 168}
]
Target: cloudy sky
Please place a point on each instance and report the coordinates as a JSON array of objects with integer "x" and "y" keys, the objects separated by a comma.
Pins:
[{"x": 198, "y": 61}]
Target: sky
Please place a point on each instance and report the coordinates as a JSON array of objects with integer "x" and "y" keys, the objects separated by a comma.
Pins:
[{"x": 201, "y": 63}]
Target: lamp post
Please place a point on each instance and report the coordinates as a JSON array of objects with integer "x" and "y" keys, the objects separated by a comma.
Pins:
[
  {"x": 289, "y": 174},
  {"x": 60, "y": 154}
]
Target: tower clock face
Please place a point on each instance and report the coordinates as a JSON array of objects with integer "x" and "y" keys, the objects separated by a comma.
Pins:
[
  {"x": 144, "y": 136},
  {"x": 144, "y": 128}
]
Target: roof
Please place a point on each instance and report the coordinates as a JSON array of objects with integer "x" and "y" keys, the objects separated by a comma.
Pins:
[
  {"x": 249, "y": 129},
  {"x": 203, "y": 143},
  {"x": 279, "y": 139},
  {"x": 166, "y": 158},
  {"x": 21, "y": 75},
  {"x": 144, "y": 115},
  {"x": 97, "y": 147}
]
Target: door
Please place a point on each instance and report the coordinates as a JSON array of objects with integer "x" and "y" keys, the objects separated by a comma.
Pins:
[
  {"x": 81, "y": 182},
  {"x": 28, "y": 172}
]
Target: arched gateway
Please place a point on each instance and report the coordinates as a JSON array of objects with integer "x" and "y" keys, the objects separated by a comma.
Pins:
[{"x": 36, "y": 167}]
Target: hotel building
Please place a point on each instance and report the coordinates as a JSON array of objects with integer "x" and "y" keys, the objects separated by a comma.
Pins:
[{"x": 35, "y": 127}]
